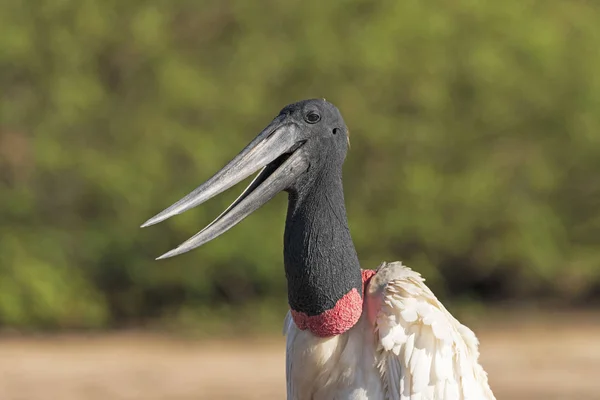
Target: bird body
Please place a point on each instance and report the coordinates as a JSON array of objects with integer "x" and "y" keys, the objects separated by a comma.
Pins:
[
  {"x": 352, "y": 334},
  {"x": 406, "y": 345}
]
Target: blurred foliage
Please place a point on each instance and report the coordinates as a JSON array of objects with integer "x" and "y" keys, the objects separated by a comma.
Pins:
[{"x": 475, "y": 147}]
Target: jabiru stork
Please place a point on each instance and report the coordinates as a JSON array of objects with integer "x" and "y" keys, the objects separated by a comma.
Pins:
[{"x": 352, "y": 333}]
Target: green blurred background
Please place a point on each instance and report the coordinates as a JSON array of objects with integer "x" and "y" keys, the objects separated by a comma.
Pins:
[{"x": 475, "y": 150}]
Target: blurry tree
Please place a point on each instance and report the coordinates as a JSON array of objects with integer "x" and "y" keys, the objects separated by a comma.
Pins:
[{"x": 475, "y": 147}]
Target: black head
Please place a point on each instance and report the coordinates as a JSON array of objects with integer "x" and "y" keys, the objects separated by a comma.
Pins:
[
  {"x": 322, "y": 125},
  {"x": 305, "y": 140},
  {"x": 324, "y": 138}
]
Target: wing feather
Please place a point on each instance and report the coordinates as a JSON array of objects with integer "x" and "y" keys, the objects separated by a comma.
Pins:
[{"x": 423, "y": 352}]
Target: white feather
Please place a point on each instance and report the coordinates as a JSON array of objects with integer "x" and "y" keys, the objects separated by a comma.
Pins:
[
  {"x": 439, "y": 356},
  {"x": 406, "y": 346}
]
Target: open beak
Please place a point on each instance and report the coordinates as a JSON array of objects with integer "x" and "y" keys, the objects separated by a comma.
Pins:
[{"x": 276, "y": 150}]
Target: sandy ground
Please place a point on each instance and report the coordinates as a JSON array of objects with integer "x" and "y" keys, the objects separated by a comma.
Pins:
[{"x": 555, "y": 360}]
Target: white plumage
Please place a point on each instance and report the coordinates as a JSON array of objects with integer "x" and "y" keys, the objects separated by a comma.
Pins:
[{"x": 406, "y": 346}]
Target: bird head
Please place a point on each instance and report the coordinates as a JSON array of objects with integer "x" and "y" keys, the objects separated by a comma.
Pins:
[{"x": 304, "y": 139}]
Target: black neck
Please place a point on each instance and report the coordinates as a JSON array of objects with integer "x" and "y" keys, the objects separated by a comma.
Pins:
[{"x": 321, "y": 264}]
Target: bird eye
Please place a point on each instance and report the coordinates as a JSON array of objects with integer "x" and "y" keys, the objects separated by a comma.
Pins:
[{"x": 312, "y": 117}]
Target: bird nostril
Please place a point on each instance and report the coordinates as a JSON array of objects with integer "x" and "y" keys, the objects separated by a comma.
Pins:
[{"x": 335, "y": 130}]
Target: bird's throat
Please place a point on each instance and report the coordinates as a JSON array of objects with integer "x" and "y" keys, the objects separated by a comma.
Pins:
[
  {"x": 337, "y": 320},
  {"x": 325, "y": 284}
]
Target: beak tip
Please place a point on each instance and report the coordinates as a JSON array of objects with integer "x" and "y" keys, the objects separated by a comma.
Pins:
[
  {"x": 168, "y": 254},
  {"x": 152, "y": 221}
]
